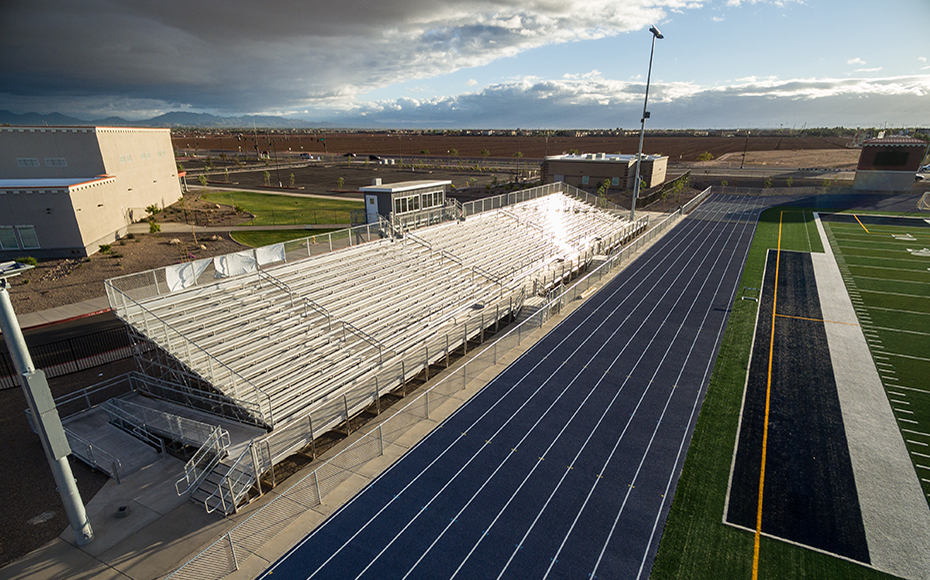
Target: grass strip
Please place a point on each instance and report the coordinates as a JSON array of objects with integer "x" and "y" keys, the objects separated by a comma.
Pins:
[{"x": 270, "y": 209}]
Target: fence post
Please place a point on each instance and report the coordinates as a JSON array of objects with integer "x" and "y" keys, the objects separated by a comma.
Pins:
[
  {"x": 381, "y": 439},
  {"x": 232, "y": 549},
  {"x": 345, "y": 401},
  {"x": 319, "y": 492},
  {"x": 403, "y": 379},
  {"x": 447, "y": 350},
  {"x": 426, "y": 348},
  {"x": 258, "y": 473},
  {"x": 312, "y": 438},
  {"x": 377, "y": 396},
  {"x": 426, "y": 395}
]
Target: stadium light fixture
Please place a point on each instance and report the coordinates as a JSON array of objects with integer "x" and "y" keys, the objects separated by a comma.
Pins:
[
  {"x": 44, "y": 413},
  {"x": 642, "y": 129}
]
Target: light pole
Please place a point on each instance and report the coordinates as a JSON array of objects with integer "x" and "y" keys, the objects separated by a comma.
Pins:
[
  {"x": 642, "y": 130},
  {"x": 44, "y": 413}
]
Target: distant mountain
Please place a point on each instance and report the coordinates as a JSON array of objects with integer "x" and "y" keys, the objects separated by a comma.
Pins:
[{"x": 173, "y": 119}]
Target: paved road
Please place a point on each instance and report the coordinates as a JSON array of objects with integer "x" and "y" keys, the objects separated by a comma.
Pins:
[{"x": 563, "y": 466}]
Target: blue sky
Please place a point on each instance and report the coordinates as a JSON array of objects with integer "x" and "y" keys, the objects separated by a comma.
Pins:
[{"x": 475, "y": 63}]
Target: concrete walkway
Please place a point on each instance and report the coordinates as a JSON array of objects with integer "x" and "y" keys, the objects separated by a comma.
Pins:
[{"x": 894, "y": 510}]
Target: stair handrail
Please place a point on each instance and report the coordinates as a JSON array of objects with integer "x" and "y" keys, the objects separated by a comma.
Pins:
[
  {"x": 259, "y": 394},
  {"x": 236, "y": 487},
  {"x": 204, "y": 460},
  {"x": 131, "y": 424},
  {"x": 178, "y": 428}
]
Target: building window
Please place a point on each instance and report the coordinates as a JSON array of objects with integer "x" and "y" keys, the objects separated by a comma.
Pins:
[
  {"x": 27, "y": 162},
  {"x": 55, "y": 162},
  {"x": 584, "y": 180},
  {"x": 8, "y": 239},
  {"x": 615, "y": 181},
  {"x": 28, "y": 236}
]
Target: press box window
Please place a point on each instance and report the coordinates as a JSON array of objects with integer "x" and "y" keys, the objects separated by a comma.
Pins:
[
  {"x": 55, "y": 162},
  {"x": 27, "y": 162}
]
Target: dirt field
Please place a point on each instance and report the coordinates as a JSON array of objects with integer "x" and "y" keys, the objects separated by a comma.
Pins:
[
  {"x": 677, "y": 148},
  {"x": 819, "y": 158}
]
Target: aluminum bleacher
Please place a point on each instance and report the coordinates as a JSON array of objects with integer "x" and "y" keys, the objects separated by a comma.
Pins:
[{"x": 292, "y": 335}]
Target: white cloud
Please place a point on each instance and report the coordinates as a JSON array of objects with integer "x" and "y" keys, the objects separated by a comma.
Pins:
[
  {"x": 471, "y": 83},
  {"x": 876, "y": 69},
  {"x": 855, "y": 61},
  {"x": 601, "y": 102}
]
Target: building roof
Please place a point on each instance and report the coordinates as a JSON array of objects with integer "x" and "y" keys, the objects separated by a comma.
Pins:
[
  {"x": 603, "y": 157},
  {"x": 894, "y": 140},
  {"x": 404, "y": 186},
  {"x": 53, "y": 182}
]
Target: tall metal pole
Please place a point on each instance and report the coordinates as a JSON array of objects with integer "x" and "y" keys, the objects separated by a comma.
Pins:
[
  {"x": 44, "y": 413},
  {"x": 642, "y": 130}
]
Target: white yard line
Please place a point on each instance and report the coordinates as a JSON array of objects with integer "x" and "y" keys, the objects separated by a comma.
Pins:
[{"x": 894, "y": 510}]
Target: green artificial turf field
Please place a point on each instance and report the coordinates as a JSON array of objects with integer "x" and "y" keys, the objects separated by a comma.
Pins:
[
  {"x": 270, "y": 209},
  {"x": 696, "y": 543}
]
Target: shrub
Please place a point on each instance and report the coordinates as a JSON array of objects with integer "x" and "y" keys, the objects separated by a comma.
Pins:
[
  {"x": 105, "y": 248},
  {"x": 705, "y": 156},
  {"x": 154, "y": 228},
  {"x": 27, "y": 260}
]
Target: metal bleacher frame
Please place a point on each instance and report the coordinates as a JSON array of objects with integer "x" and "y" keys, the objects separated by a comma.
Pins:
[{"x": 302, "y": 344}]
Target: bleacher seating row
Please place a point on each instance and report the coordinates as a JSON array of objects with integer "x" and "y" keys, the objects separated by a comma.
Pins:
[{"x": 302, "y": 332}]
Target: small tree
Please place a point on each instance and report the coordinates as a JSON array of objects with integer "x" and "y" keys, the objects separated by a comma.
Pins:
[
  {"x": 340, "y": 182},
  {"x": 705, "y": 156},
  {"x": 292, "y": 180},
  {"x": 424, "y": 151},
  {"x": 573, "y": 151},
  {"x": 154, "y": 228},
  {"x": 602, "y": 192},
  {"x": 518, "y": 154},
  {"x": 267, "y": 178},
  {"x": 789, "y": 182},
  {"x": 767, "y": 183},
  {"x": 203, "y": 180},
  {"x": 454, "y": 152},
  {"x": 226, "y": 174},
  {"x": 485, "y": 153}
]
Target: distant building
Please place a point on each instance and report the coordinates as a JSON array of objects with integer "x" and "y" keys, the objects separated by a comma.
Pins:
[
  {"x": 589, "y": 171},
  {"x": 889, "y": 163},
  {"x": 64, "y": 191},
  {"x": 403, "y": 198}
]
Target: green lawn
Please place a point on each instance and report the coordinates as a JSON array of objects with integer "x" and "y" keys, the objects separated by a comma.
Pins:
[
  {"x": 894, "y": 288},
  {"x": 270, "y": 209},
  {"x": 695, "y": 543},
  {"x": 257, "y": 239}
]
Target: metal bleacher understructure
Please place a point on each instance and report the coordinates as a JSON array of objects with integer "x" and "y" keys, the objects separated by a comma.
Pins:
[{"x": 299, "y": 337}]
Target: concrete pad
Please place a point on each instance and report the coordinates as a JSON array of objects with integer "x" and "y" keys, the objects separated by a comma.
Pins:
[
  {"x": 894, "y": 510},
  {"x": 58, "y": 560},
  {"x": 159, "y": 548},
  {"x": 343, "y": 493}
]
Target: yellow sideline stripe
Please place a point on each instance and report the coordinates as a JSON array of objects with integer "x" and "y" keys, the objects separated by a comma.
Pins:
[
  {"x": 765, "y": 424},
  {"x": 860, "y": 223},
  {"x": 816, "y": 319}
]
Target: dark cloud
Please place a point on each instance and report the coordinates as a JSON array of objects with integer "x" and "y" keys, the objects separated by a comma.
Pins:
[{"x": 246, "y": 56}]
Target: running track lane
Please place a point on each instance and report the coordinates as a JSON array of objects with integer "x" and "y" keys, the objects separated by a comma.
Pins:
[{"x": 563, "y": 466}]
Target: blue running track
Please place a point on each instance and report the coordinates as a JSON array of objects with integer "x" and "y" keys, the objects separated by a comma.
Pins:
[{"x": 564, "y": 466}]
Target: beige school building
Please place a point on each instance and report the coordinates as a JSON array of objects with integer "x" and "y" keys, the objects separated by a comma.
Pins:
[{"x": 64, "y": 191}]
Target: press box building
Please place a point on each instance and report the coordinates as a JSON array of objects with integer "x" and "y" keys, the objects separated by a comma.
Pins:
[
  {"x": 889, "y": 164},
  {"x": 589, "y": 171},
  {"x": 64, "y": 191}
]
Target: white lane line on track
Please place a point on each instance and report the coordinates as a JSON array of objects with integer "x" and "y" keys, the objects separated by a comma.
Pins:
[
  {"x": 526, "y": 435},
  {"x": 658, "y": 423},
  {"x": 692, "y": 418},
  {"x": 587, "y": 440},
  {"x": 595, "y": 311}
]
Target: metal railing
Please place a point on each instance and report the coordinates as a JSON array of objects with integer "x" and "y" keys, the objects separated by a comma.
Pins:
[
  {"x": 223, "y": 556},
  {"x": 217, "y": 372},
  {"x": 204, "y": 460},
  {"x": 162, "y": 424},
  {"x": 93, "y": 456},
  {"x": 70, "y": 355}
]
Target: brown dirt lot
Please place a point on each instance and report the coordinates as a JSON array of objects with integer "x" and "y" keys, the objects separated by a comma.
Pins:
[{"x": 677, "y": 148}]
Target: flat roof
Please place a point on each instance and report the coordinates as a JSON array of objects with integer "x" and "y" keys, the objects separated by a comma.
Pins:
[
  {"x": 602, "y": 157},
  {"x": 51, "y": 182},
  {"x": 404, "y": 186}
]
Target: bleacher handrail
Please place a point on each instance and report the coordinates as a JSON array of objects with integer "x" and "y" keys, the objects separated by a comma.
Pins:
[
  {"x": 204, "y": 460},
  {"x": 266, "y": 413}
]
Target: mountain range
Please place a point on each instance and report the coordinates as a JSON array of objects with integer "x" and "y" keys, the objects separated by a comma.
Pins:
[{"x": 172, "y": 119}]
